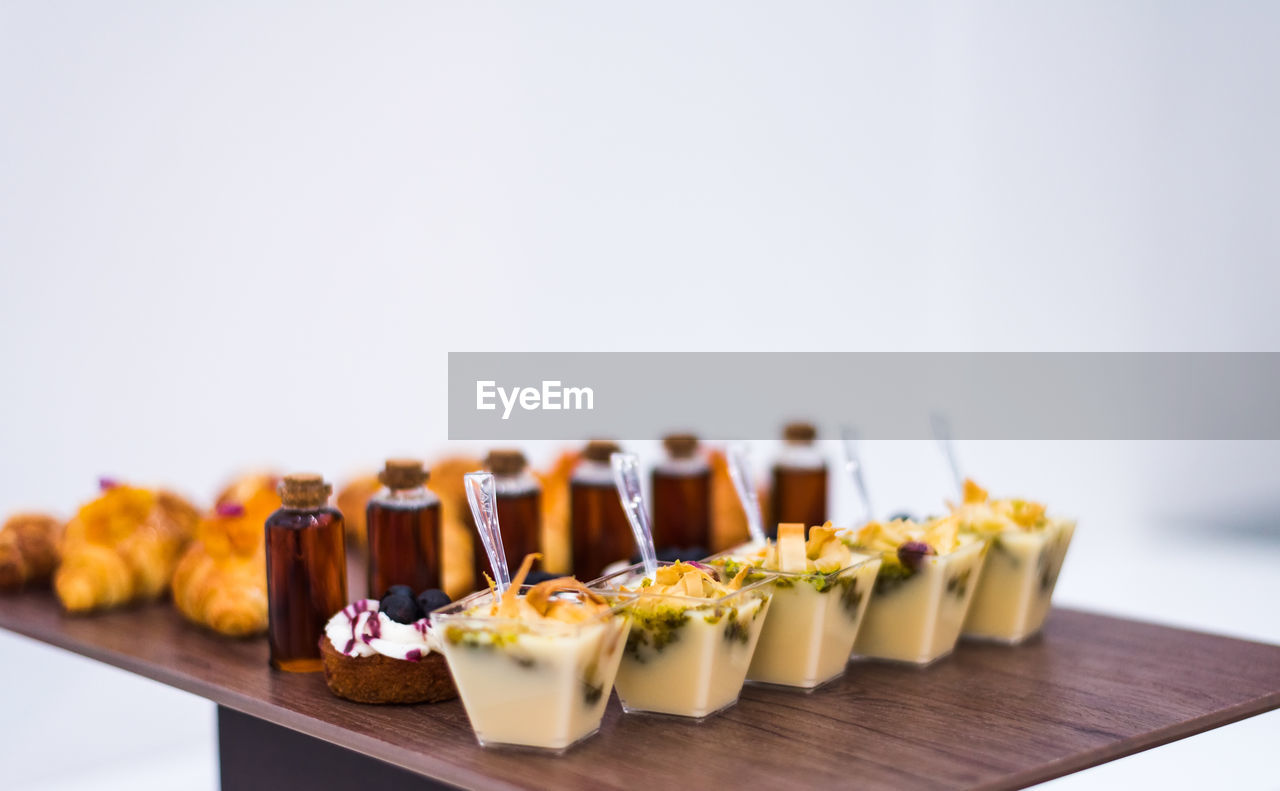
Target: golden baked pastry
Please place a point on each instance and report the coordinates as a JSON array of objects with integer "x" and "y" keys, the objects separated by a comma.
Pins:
[
  {"x": 122, "y": 547},
  {"x": 353, "y": 499},
  {"x": 557, "y": 545},
  {"x": 221, "y": 580},
  {"x": 456, "y": 575},
  {"x": 728, "y": 520},
  {"x": 28, "y": 550}
]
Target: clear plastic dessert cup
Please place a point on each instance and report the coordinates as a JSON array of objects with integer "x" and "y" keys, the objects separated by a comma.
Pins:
[
  {"x": 1016, "y": 587},
  {"x": 537, "y": 684},
  {"x": 813, "y": 620},
  {"x": 916, "y": 613},
  {"x": 685, "y": 656}
]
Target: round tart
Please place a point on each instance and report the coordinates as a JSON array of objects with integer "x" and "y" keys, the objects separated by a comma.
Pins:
[{"x": 371, "y": 658}]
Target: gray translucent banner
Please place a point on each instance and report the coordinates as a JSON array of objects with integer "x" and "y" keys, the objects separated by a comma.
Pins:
[{"x": 723, "y": 395}]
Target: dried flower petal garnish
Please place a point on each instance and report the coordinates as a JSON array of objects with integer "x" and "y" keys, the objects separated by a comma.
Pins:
[{"x": 229, "y": 509}]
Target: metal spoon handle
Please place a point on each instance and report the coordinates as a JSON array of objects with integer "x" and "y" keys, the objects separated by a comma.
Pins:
[
  {"x": 626, "y": 476},
  {"x": 482, "y": 497},
  {"x": 942, "y": 435},
  {"x": 853, "y": 463},
  {"x": 740, "y": 474}
]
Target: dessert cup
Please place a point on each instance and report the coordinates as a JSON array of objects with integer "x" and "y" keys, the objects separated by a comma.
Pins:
[
  {"x": 915, "y": 614},
  {"x": 686, "y": 656},
  {"x": 539, "y": 684},
  {"x": 1016, "y": 586},
  {"x": 813, "y": 620}
]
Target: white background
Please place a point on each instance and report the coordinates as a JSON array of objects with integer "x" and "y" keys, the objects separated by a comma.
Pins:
[{"x": 238, "y": 234}]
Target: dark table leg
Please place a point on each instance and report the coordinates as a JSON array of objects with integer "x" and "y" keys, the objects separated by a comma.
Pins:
[{"x": 257, "y": 755}]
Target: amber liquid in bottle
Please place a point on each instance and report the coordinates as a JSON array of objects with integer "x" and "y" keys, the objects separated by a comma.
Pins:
[
  {"x": 404, "y": 541},
  {"x": 306, "y": 583},
  {"x": 520, "y": 516},
  {"x": 682, "y": 507},
  {"x": 799, "y": 495},
  {"x": 601, "y": 532}
]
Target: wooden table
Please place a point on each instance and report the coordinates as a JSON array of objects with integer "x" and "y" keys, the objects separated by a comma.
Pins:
[{"x": 1090, "y": 689}]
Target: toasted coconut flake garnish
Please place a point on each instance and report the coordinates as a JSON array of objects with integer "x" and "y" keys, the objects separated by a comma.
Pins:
[
  {"x": 818, "y": 538},
  {"x": 509, "y": 606},
  {"x": 792, "y": 555},
  {"x": 544, "y": 599},
  {"x": 981, "y": 514},
  {"x": 973, "y": 493}
]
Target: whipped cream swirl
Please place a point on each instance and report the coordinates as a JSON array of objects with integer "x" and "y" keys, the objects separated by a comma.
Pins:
[{"x": 360, "y": 630}]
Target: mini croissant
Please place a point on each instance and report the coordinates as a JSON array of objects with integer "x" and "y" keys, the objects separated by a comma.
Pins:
[
  {"x": 221, "y": 581},
  {"x": 28, "y": 550},
  {"x": 122, "y": 547}
]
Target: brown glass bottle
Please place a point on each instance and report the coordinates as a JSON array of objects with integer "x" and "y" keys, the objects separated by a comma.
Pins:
[
  {"x": 306, "y": 572},
  {"x": 404, "y": 530},
  {"x": 682, "y": 499},
  {"x": 600, "y": 531},
  {"x": 519, "y": 502},
  {"x": 799, "y": 492}
]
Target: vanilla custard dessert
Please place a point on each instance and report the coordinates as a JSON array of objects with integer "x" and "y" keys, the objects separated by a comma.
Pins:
[
  {"x": 820, "y": 594},
  {"x": 691, "y": 639},
  {"x": 534, "y": 666},
  {"x": 1022, "y": 565},
  {"x": 924, "y": 588}
]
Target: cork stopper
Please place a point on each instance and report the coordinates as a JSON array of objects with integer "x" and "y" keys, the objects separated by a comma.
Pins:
[
  {"x": 403, "y": 474},
  {"x": 680, "y": 446},
  {"x": 799, "y": 433},
  {"x": 505, "y": 461},
  {"x": 600, "y": 450},
  {"x": 304, "y": 490}
]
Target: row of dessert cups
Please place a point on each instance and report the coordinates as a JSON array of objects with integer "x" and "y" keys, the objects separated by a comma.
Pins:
[{"x": 545, "y": 684}]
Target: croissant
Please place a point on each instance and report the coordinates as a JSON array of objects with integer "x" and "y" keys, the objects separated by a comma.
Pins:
[
  {"x": 122, "y": 548},
  {"x": 457, "y": 574},
  {"x": 221, "y": 580},
  {"x": 352, "y": 501},
  {"x": 557, "y": 548},
  {"x": 28, "y": 550}
]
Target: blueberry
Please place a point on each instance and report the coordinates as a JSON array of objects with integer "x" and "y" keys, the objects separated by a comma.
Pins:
[
  {"x": 537, "y": 575},
  {"x": 400, "y": 608},
  {"x": 912, "y": 554},
  {"x": 399, "y": 590},
  {"x": 432, "y": 599}
]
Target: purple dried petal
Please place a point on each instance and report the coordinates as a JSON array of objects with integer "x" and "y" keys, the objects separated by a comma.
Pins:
[
  {"x": 229, "y": 509},
  {"x": 913, "y": 553},
  {"x": 711, "y": 570},
  {"x": 105, "y": 483}
]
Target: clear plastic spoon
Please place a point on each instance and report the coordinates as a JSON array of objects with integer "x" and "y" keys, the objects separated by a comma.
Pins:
[
  {"x": 740, "y": 473},
  {"x": 942, "y": 435},
  {"x": 853, "y": 463},
  {"x": 626, "y": 476},
  {"x": 481, "y": 495}
]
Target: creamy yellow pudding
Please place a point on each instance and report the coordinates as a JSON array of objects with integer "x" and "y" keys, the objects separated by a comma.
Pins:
[
  {"x": 924, "y": 588},
  {"x": 535, "y": 665},
  {"x": 692, "y": 636},
  {"x": 820, "y": 593},
  {"x": 1022, "y": 566}
]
